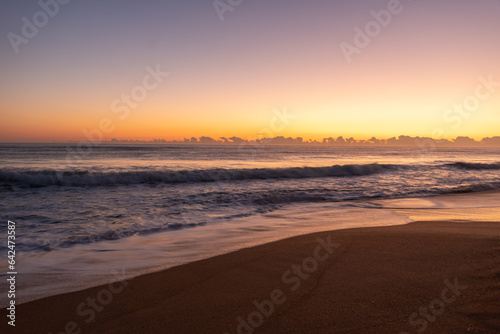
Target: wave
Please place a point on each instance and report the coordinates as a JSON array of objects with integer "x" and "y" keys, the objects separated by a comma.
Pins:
[
  {"x": 478, "y": 187},
  {"x": 196, "y": 211},
  {"x": 85, "y": 178},
  {"x": 107, "y": 235},
  {"x": 475, "y": 166},
  {"x": 90, "y": 178}
]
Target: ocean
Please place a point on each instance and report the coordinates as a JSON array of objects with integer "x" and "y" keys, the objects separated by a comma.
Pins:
[{"x": 88, "y": 215}]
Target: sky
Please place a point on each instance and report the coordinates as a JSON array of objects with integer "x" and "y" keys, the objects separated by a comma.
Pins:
[{"x": 428, "y": 69}]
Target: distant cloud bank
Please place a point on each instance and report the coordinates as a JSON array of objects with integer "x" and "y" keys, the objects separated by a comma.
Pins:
[{"x": 339, "y": 141}]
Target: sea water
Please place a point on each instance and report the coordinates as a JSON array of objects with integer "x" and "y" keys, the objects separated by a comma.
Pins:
[{"x": 85, "y": 216}]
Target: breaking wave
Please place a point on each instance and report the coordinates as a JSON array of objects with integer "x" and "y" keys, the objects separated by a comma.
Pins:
[
  {"x": 85, "y": 178},
  {"x": 475, "y": 166}
]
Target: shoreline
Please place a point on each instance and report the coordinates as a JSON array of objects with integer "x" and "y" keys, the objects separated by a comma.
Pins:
[
  {"x": 370, "y": 279},
  {"x": 88, "y": 265}
]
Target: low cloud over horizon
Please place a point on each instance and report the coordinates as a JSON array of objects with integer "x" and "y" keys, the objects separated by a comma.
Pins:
[{"x": 339, "y": 141}]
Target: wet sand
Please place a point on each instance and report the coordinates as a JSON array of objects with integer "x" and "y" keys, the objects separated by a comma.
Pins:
[{"x": 432, "y": 277}]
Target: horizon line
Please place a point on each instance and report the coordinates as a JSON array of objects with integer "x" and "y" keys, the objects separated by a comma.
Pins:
[{"x": 402, "y": 140}]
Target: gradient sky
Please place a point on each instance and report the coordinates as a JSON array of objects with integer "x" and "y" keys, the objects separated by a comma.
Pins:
[{"x": 226, "y": 78}]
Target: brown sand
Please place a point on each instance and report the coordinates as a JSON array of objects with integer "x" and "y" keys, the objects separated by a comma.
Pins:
[{"x": 372, "y": 283}]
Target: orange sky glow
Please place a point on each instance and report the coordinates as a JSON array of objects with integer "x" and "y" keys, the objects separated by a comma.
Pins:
[{"x": 228, "y": 78}]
